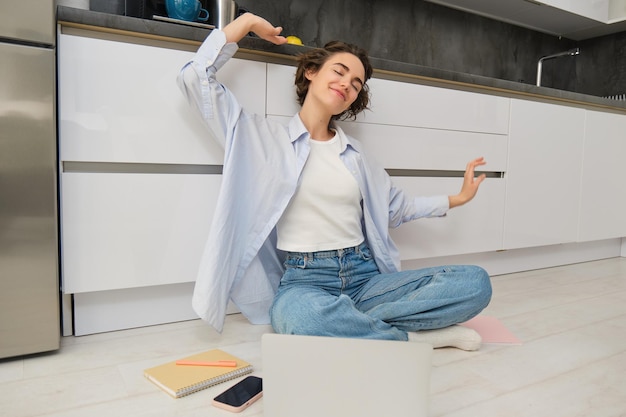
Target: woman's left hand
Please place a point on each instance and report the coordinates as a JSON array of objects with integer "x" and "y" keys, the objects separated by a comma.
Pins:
[{"x": 470, "y": 183}]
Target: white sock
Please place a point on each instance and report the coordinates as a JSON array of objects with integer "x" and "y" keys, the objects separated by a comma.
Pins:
[{"x": 456, "y": 336}]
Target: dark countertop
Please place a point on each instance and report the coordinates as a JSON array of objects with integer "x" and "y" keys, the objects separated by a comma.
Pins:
[{"x": 284, "y": 53}]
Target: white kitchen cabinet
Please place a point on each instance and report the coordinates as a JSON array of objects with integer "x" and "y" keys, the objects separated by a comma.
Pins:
[
  {"x": 543, "y": 174},
  {"x": 423, "y": 131},
  {"x": 282, "y": 99},
  {"x": 139, "y": 170},
  {"x": 139, "y": 179},
  {"x": 442, "y": 131},
  {"x": 133, "y": 230},
  {"x": 429, "y": 134},
  {"x": 405, "y": 104},
  {"x": 596, "y": 9},
  {"x": 119, "y": 102},
  {"x": 472, "y": 228},
  {"x": 603, "y": 202},
  {"x": 414, "y": 148},
  {"x": 430, "y": 155},
  {"x": 134, "y": 236}
]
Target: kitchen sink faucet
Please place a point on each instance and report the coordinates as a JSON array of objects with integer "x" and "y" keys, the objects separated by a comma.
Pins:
[{"x": 571, "y": 52}]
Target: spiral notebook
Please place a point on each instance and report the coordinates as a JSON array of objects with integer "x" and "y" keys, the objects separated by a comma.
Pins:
[{"x": 181, "y": 380}]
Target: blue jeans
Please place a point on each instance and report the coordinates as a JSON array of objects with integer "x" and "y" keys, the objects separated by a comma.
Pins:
[{"x": 341, "y": 293}]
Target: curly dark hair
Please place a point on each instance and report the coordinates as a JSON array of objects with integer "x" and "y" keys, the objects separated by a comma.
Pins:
[{"x": 313, "y": 61}]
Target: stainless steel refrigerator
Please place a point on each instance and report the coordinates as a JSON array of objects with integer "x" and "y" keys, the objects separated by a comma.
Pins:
[{"x": 29, "y": 266}]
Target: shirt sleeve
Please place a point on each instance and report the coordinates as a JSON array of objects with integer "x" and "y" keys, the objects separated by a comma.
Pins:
[
  {"x": 216, "y": 104},
  {"x": 403, "y": 209}
]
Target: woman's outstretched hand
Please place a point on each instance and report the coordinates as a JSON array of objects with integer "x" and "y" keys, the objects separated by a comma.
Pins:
[
  {"x": 470, "y": 184},
  {"x": 248, "y": 22}
]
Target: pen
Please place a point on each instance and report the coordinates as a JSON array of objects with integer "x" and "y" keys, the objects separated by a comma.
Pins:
[{"x": 215, "y": 363}]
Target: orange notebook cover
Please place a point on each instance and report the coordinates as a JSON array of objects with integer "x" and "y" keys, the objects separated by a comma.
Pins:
[{"x": 181, "y": 380}]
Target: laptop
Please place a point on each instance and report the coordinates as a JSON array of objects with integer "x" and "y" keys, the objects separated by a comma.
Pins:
[{"x": 312, "y": 376}]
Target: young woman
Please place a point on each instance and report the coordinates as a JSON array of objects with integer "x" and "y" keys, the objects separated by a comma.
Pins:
[{"x": 300, "y": 235}]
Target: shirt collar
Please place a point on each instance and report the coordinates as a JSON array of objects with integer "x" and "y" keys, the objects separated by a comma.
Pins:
[
  {"x": 346, "y": 141},
  {"x": 297, "y": 130}
]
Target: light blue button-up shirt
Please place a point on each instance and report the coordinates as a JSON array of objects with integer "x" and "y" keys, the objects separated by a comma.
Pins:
[{"x": 263, "y": 160}]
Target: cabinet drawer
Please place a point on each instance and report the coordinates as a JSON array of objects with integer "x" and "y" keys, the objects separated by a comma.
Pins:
[
  {"x": 405, "y": 104},
  {"x": 401, "y": 147},
  {"x": 131, "y": 230},
  {"x": 474, "y": 227},
  {"x": 281, "y": 90},
  {"x": 119, "y": 102}
]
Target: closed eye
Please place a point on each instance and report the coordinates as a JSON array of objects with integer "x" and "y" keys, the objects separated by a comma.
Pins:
[{"x": 357, "y": 83}]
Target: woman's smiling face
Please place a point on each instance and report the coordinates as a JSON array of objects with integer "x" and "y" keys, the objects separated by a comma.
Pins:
[{"x": 338, "y": 82}]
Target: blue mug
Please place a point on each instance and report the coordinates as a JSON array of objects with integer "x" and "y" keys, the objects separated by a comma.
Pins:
[{"x": 189, "y": 10}]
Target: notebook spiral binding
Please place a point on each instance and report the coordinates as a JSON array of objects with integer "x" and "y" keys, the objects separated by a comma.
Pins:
[{"x": 203, "y": 385}]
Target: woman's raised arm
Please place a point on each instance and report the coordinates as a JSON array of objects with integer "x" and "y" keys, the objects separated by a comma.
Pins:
[{"x": 248, "y": 22}]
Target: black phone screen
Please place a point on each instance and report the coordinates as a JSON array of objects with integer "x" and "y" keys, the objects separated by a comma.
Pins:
[{"x": 241, "y": 392}]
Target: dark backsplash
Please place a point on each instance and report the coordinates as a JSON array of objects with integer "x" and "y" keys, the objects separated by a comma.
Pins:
[{"x": 427, "y": 34}]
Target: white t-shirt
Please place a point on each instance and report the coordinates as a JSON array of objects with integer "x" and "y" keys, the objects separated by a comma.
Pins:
[{"x": 325, "y": 212}]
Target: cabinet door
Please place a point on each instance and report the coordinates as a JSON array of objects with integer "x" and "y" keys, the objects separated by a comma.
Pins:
[
  {"x": 281, "y": 91},
  {"x": 414, "y": 148},
  {"x": 418, "y": 128},
  {"x": 405, "y": 104},
  {"x": 603, "y": 201},
  {"x": 133, "y": 230},
  {"x": 474, "y": 227},
  {"x": 596, "y": 10},
  {"x": 119, "y": 102},
  {"x": 543, "y": 175}
]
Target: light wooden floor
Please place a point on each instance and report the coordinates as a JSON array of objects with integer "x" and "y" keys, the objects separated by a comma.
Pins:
[{"x": 572, "y": 321}]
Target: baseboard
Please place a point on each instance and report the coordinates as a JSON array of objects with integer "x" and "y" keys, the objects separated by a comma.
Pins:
[
  {"x": 527, "y": 259},
  {"x": 103, "y": 311}
]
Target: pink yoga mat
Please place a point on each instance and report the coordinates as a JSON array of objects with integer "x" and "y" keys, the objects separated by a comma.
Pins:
[{"x": 492, "y": 330}]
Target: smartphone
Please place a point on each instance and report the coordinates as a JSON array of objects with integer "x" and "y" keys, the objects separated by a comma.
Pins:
[{"x": 239, "y": 397}]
